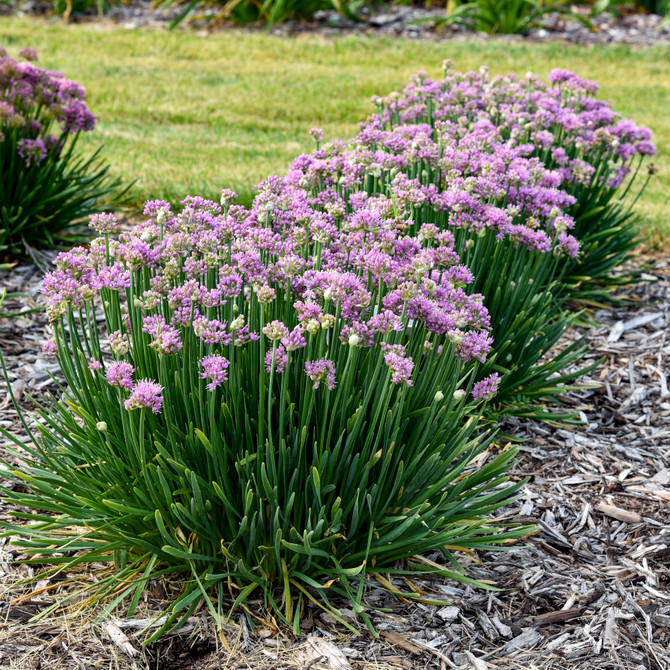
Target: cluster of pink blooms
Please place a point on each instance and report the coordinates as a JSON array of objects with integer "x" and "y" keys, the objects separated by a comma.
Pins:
[
  {"x": 469, "y": 179},
  {"x": 561, "y": 121},
  {"x": 356, "y": 247},
  {"x": 284, "y": 275},
  {"x": 215, "y": 368},
  {"x": 486, "y": 388},
  {"x": 32, "y": 100},
  {"x": 145, "y": 394},
  {"x": 120, "y": 373},
  {"x": 321, "y": 370}
]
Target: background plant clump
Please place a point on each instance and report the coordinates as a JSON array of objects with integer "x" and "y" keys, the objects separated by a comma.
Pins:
[{"x": 47, "y": 187}]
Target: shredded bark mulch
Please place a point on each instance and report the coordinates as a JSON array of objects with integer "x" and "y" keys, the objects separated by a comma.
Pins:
[{"x": 590, "y": 591}]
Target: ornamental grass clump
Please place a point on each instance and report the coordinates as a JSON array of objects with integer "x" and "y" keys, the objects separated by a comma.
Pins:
[
  {"x": 598, "y": 153},
  {"x": 281, "y": 403},
  {"x": 507, "y": 214},
  {"x": 46, "y": 186}
]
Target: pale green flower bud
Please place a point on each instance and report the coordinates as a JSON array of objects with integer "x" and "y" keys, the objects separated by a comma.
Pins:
[{"x": 237, "y": 323}]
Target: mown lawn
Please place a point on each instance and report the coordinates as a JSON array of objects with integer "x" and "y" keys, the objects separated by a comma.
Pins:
[{"x": 189, "y": 113}]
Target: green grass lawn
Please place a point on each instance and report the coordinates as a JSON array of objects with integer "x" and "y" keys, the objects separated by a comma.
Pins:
[{"x": 186, "y": 113}]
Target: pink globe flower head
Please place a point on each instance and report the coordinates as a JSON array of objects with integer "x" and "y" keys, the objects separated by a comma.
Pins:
[
  {"x": 319, "y": 371},
  {"x": 214, "y": 367},
  {"x": 146, "y": 394},
  {"x": 120, "y": 373},
  {"x": 486, "y": 388},
  {"x": 104, "y": 223}
]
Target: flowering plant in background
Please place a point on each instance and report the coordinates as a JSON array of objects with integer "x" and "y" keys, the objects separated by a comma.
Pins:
[
  {"x": 46, "y": 185},
  {"x": 598, "y": 153},
  {"x": 282, "y": 402},
  {"x": 505, "y": 211}
]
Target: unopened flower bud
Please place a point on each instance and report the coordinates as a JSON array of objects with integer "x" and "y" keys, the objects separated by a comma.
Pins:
[
  {"x": 237, "y": 323},
  {"x": 439, "y": 396},
  {"x": 354, "y": 340},
  {"x": 459, "y": 394},
  {"x": 101, "y": 426},
  {"x": 455, "y": 337}
]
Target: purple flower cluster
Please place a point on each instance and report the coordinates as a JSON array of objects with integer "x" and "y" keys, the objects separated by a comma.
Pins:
[
  {"x": 120, "y": 373},
  {"x": 561, "y": 121},
  {"x": 276, "y": 359},
  {"x": 400, "y": 366},
  {"x": 214, "y": 368},
  {"x": 346, "y": 275},
  {"x": 31, "y": 99},
  {"x": 33, "y": 152},
  {"x": 486, "y": 388},
  {"x": 467, "y": 178},
  {"x": 319, "y": 371},
  {"x": 105, "y": 224},
  {"x": 146, "y": 394}
]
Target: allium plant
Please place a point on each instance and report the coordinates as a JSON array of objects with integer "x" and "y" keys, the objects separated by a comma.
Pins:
[
  {"x": 281, "y": 402},
  {"x": 598, "y": 153},
  {"x": 46, "y": 186},
  {"x": 502, "y": 207}
]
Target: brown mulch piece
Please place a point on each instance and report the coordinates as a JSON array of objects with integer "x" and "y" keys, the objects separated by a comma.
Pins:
[{"x": 590, "y": 591}]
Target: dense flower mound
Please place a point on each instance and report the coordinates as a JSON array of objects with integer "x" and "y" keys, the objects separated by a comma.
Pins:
[
  {"x": 286, "y": 399},
  {"x": 281, "y": 399},
  {"x": 45, "y": 185},
  {"x": 506, "y": 210},
  {"x": 562, "y": 123},
  {"x": 580, "y": 134},
  {"x": 33, "y": 98},
  {"x": 473, "y": 181}
]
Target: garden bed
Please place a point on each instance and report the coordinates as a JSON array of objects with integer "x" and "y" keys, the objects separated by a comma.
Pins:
[
  {"x": 392, "y": 20},
  {"x": 291, "y": 434},
  {"x": 590, "y": 590}
]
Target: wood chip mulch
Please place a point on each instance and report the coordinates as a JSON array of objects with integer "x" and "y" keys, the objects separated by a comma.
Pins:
[{"x": 590, "y": 591}]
